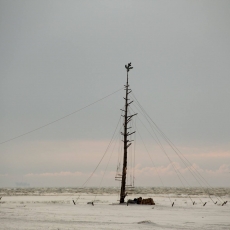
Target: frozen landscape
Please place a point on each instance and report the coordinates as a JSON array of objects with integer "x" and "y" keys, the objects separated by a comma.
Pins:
[
  {"x": 114, "y": 93},
  {"x": 43, "y": 208}
]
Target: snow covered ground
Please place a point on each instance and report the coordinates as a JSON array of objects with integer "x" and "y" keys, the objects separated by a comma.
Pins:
[{"x": 58, "y": 212}]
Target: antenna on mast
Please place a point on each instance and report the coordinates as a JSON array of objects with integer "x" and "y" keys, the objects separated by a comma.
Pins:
[{"x": 126, "y": 134}]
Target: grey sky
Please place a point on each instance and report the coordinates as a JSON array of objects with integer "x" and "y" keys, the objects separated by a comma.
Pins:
[{"x": 58, "y": 56}]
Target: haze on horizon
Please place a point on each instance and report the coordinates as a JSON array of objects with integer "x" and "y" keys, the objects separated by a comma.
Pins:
[{"x": 59, "y": 56}]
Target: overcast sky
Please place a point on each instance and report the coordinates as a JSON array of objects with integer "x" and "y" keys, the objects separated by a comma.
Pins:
[{"x": 59, "y": 56}]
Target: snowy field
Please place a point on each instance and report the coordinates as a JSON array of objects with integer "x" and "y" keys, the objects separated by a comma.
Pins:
[{"x": 58, "y": 212}]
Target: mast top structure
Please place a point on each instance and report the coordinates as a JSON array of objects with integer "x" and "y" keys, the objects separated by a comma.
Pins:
[
  {"x": 128, "y": 67},
  {"x": 126, "y": 134}
]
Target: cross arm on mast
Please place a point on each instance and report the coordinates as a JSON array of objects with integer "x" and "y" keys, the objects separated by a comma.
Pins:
[
  {"x": 132, "y": 115},
  {"x": 128, "y": 134}
]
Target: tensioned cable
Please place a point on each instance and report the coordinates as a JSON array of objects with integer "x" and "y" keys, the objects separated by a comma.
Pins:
[
  {"x": 129, "y": 153},
  {"x": 119, "y": 153},
  {"x": 174, "y": 149},
  {"x": 177, "y": 171},
  {"x": 153, "y": 164},
  {"x": 131, "y": 156},
  {"x": 83, "y": 186},
  {"x": 118, "y": 134},
  {"x": 190, "y": 166},
  {"x": 134, "y": 160},
  {"x": 43, "y": 126},
  {"x": 107, "y": 164},
  {"x": 162, "y": 148}
]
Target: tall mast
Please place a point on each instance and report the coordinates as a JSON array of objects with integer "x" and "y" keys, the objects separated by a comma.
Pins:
[{"x": 127, "y": 143}]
